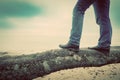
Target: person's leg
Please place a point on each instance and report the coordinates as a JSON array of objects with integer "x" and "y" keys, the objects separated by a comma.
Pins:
[
  {"x": 101, "y": 8},
  {"x": 77, "y": 23},
  {"x": 77, "y": 20}
]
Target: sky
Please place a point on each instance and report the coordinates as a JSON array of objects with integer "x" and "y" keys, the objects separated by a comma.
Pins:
[{"x": 37, "y": 25}]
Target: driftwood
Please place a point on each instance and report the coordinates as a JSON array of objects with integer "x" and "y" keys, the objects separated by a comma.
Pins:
[{"x": 27, "y": 67}]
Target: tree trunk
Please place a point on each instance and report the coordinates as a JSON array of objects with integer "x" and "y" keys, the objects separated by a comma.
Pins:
[{"x": 27, "y": 67}]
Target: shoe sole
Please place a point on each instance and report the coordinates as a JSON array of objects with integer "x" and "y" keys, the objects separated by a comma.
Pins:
[
  {"x": 71, "y": 49},
  {"x": 100, "y": 49}
]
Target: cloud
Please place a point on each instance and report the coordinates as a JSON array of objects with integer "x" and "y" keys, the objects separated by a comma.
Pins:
[
  {"x": 17, "y": 9},
  {"x": 5, "y": 24}
]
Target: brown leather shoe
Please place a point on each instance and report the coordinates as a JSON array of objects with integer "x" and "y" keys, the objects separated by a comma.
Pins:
[
  {"x": 70, "y": 47},
  {"x": 105, "y": 50},
  {"x": 99, "y": 48}
]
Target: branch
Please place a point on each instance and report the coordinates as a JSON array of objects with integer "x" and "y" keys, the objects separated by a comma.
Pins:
[{"x": 27, "y": 67}]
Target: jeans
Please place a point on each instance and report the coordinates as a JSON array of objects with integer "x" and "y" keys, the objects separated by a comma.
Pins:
[{"x": 101, "y": 9}]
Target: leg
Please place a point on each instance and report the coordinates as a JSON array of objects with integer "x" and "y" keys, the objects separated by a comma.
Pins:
[
  {"x": 77, "y": 21},
  {"x": 101, "y": 8}
]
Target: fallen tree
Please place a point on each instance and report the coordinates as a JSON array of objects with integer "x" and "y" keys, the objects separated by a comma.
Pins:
[{"x": 27, "y": 67}]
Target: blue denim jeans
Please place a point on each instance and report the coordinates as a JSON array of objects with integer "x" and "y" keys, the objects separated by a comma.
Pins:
[{"x": 101, "y": 8}]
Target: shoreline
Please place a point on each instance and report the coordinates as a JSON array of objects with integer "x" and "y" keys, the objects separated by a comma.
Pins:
[{"x": 23, "y": 52}]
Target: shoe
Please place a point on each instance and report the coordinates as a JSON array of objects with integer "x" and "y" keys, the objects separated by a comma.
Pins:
[
  {"x": 100, "y": 48},
  {"x": 70, "y": 47}
]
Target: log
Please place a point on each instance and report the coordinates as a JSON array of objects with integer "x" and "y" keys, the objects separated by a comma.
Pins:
[{"x": 27, "y": 67}]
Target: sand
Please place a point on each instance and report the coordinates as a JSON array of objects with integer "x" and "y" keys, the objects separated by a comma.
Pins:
[{"x": 106, "y": 72}]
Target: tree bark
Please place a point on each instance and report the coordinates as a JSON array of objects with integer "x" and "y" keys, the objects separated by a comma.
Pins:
[{"x": 27, "y": 67}]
